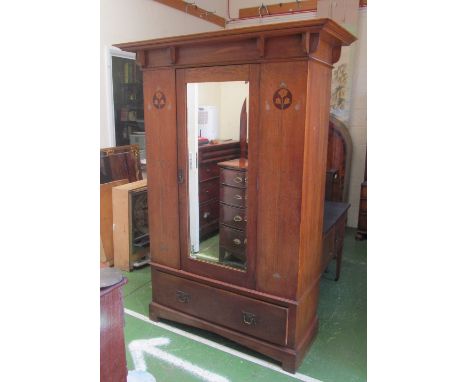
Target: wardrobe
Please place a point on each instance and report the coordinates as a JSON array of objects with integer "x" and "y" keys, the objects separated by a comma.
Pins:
[{"x": 256, "y": 281}]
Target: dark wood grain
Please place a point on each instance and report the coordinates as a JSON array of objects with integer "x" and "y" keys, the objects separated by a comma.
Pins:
[{"x": 113, "y": 361}]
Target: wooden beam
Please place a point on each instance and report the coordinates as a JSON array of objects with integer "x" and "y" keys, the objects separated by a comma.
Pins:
[
  {"x": 274, "y": 9},
  {"x": 194, "y": 10}
]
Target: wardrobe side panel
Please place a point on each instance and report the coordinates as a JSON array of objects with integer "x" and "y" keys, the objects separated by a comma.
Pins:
[
  {"x": 161, "y": 154},
  {"x": 283, "y": 88},
  {"x": 314, "y": 175}
]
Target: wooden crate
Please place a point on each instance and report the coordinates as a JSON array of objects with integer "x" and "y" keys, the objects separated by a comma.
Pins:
[{"x": 123, "y": 197}]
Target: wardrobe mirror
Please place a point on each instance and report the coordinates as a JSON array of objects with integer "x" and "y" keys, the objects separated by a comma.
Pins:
[{"x": 217, "y": 139}]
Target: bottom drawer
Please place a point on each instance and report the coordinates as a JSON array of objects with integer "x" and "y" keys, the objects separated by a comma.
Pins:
[{"x": 253, "y": 317}]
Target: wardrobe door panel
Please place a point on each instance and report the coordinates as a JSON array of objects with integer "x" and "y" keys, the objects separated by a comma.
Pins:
[
  {"x": 208, "y": 254},
  {"x": 280, "y": 158},
  {"x": 161, "y": 152}
]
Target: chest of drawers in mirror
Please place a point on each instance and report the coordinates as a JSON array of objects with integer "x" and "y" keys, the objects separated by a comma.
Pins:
[
  {"x": 208, "y": 176},
  {"x": 232, "y": 210}
]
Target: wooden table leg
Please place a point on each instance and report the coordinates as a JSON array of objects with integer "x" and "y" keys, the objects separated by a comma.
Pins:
[{"x": 339, "y": 256}]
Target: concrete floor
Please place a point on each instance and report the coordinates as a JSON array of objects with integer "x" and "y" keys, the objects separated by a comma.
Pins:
[{"x": 174, "y": 352}]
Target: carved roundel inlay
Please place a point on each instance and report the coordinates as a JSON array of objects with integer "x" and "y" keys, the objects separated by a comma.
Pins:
[
  {"x": 159, "y": 99},
  {"x": 282, "y": 98}
]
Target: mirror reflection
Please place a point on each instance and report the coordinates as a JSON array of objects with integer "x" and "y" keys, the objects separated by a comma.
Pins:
[{"x": 217, "y": 134}]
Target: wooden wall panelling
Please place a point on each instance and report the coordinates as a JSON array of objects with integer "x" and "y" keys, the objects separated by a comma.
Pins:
[
  {"x": 106, "y": 218},
  {"x": 160, "y": 112},
  {"x": 280, "y": 157}
]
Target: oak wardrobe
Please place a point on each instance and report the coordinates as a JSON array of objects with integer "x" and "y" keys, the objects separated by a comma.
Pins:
[{"x": 255, "y": 280}]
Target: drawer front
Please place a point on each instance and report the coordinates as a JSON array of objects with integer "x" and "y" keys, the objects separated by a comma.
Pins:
[
  {"x": 232, "y": 240},
  {"x": 208, "y": 190},
  {"x": 208, "y": 171},
  {"x": 233, "y": 196},
  {"x": 253, "y": 317},
  {"x": 209, "y": 212},
  {"x": 232, "y": 216},
  {"x": 233, "y": 178}
]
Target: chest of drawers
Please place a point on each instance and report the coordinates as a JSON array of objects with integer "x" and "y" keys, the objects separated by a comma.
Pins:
[
  {"x": 208, "y": 187},
  {"x": 232, "y": 210}
]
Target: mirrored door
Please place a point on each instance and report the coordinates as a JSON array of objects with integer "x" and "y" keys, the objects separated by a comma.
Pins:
[
  {"x": 215, "y": 140},
  {"x": 217, "y": 118}
]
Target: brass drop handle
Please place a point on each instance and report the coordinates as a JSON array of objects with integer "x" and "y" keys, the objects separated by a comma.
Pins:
[
  {"x": 238, "y": 197},
  {"x": 182, "y": 297},
  {"x": 237, "y": 218},
  {"x": 249, "y": 318},
  {"x": 237, "y": 241},
  {"x": 238, "y": 179}
]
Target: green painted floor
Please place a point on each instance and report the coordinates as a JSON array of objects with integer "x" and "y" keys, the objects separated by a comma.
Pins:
[{"x": 338, "y": 353}]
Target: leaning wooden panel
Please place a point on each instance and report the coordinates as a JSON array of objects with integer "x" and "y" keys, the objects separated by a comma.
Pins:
[
  {"x": 125, "y": 253},
  {"x": 106, "y": 218},
  {"x": 161, "y": 138}
]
